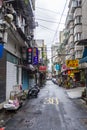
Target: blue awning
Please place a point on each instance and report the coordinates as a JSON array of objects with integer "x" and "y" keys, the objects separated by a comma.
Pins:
[
  {"x": 85, "y": 52},
  {"x": 83, "y": 60},
  {"x": 84, "y": 57}
]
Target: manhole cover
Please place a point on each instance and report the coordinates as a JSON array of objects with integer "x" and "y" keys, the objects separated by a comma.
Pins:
[{"x": 38, "y": 112}]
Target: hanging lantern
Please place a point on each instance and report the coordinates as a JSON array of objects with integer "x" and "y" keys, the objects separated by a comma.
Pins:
[{"x": 69, "y": 72}]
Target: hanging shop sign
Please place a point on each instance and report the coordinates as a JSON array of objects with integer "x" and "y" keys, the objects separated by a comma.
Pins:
[
  {"x": 72, "y": 63},
  {"x": 57, "y": 67},
  {"x": 29, "y": 55},
  {"x": 35, "y": 56},
  {"x": 1, "y": 50},
  {"x": 73, "y": 71},
  {"x": 42, "y": 68},
  {"x": 1, "y": 2},
  {"x": 69, "y": 72},
  {"x": 64, "y": 68}
]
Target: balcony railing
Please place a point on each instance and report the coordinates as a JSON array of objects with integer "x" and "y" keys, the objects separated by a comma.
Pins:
[
  {"x": 69, "y": 19},
  {"x": 78, "y": 56},
  {"x": 75, "y": 4}
]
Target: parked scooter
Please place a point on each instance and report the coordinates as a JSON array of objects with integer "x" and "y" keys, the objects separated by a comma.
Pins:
[{"x": 33, "y": 92}]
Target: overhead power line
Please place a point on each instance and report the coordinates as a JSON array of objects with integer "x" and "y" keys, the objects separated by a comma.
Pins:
[
  {"x": 61, "y": 18},
  {"x": 60, "y": 21},
  {"x": 49, "y": 10},
  {"x": 48, "y": 20},
  {"x": 46, "y": 28}
]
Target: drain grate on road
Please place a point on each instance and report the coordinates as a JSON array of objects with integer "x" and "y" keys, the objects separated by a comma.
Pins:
[{"x": 27, "y": 122}]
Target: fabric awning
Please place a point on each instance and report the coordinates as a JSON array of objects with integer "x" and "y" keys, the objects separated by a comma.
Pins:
[
  {"x": 83, "y": 60},
  {"x": 28, "y": 67},
  {"x": 85, "y": 52},
  {"x": 84, "y": 57}
]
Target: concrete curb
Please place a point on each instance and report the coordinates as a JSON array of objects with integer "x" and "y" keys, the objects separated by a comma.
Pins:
[{"x": 75, "y": 92}]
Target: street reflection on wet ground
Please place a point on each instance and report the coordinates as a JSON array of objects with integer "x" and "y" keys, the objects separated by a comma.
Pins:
[{"x": 52, "y": 110}]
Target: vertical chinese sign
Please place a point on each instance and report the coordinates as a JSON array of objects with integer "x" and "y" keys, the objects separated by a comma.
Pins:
[
  {"x": 29, "y": 55},
  {"x": 1, "y": 50},
  {"x": 35, "y": 56}
]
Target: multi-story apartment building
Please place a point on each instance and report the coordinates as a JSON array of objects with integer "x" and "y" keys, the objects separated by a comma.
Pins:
[
  {"x": 54, "y": 56},
  {"x": 83, "y": 40},
  {"x": 76, "y": 27},
  {"x": 76, "y": 30},
  {"x": 16, "y": 33}
]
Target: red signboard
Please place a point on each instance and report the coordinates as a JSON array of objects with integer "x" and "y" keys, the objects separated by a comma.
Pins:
[
  {"x": 1, "y": 3},
  {"x": 2, "y": 128},
  {"x": 42, "y": 68}
]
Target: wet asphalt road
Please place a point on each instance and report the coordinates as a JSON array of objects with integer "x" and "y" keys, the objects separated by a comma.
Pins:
[{"x": 52, "y": 110}]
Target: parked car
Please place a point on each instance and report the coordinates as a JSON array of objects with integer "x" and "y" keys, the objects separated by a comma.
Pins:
[
  {"x": 54, "y": 80},
  {"x": 48, "y": 78}
]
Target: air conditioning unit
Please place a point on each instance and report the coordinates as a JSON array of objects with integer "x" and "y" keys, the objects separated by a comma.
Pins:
[
  {"x": 1, "y": 28},
  {"x": 1, "y": 21},
  {"x": 5, "y": 37},
  {"x": 1, "y": 35}
]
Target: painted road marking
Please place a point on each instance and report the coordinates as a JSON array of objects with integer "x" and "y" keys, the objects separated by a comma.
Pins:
[{"x": 51, "y": 100}]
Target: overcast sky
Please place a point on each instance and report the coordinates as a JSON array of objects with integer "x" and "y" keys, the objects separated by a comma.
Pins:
[{"x": 48, "y": 14}]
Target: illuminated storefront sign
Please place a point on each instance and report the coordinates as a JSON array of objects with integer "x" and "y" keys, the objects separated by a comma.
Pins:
[
  {"x": 42, "y": 68},
  {"x": 35, "y": 56},
  {"x": 57, "y": 67},
  {"x": 72, "y": 63},
  {"x": 29, "y": 55}
]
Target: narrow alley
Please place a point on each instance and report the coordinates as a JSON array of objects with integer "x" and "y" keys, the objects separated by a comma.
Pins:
[
  {"x": 52, "y": 110},
  {"x": 43, "y": 47}
]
